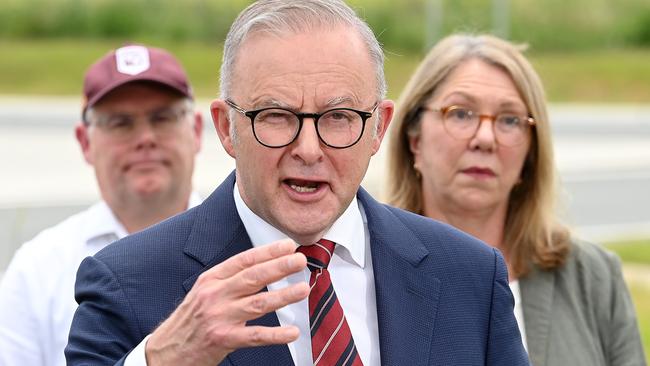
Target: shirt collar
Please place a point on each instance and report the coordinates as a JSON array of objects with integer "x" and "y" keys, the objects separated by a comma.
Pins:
[
  {"x": 347, "y": 231},
  {"x": 105, "y": 223},
  {"x": 195, "y": 200},
  {"x": 102, "y": 223}
]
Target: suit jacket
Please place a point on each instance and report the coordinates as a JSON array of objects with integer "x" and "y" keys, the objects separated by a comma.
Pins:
[
  {"x": 442, "y": 296},
  {"x": 581, "y": 313}
]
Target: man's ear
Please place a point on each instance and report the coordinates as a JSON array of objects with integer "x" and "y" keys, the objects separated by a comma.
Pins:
[
  {"x": 385, "y": 111},
  {"x": 219, "y": 111},
  {"x": 81, "y": 133}
]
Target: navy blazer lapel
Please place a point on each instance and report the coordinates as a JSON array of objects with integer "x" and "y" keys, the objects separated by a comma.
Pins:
[
  {"x": 407, "y": 294},
  {"x": 218, "y": 234},
  {"x": 537, "y": 300}
]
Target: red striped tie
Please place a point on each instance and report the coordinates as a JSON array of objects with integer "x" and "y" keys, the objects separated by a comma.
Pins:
[{"x": 331, "y": 340}]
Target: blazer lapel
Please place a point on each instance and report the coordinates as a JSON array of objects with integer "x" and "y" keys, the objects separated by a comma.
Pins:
[
  {"x": 217, "y": 235},
  {"x": 537, "y": 300},
  {"x": 407, "y": 294}
]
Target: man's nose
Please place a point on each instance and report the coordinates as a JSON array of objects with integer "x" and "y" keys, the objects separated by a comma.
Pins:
[
  {"x": 144, "y": 134},
  {"x": 307, "y": 146}
]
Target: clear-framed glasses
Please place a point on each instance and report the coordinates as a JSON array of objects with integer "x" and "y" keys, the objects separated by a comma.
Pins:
[
  {"x": 510, "y": 129},
  {"x": 278, "y": 127},
  {"x": 163, "y": 121}
]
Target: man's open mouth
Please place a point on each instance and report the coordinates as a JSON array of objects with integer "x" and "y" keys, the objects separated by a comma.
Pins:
[{"x": 303, "y": 186}]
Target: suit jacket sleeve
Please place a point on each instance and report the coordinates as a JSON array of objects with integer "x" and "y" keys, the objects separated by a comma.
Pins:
[
  {"x": 505, "y": 346},
  {"x": 104, "y": 314},
  {"x": 623, "y": 340}
]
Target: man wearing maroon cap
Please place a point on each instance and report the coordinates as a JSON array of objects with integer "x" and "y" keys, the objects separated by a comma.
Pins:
[{"x": 141, "y": 134}]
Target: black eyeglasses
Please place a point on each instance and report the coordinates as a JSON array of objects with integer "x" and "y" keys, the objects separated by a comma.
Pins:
[{"x": 278, "y": 127}]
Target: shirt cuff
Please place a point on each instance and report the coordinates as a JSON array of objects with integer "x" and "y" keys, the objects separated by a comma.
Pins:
[{"x": 137, "y": 357}]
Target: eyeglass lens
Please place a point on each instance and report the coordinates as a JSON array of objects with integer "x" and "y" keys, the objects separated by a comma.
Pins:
[
  {"x": 509, "y": 128},
  {"x": 337, "y": 127}
]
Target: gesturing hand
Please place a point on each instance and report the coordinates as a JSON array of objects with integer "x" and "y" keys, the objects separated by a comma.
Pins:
[{"x": 211, "y": 320}]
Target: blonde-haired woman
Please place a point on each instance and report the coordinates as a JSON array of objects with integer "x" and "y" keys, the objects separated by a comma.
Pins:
[{"x": 471, "y": 146}]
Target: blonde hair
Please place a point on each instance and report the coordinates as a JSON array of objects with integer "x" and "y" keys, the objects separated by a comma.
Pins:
[{"x": 531, "y": 233}]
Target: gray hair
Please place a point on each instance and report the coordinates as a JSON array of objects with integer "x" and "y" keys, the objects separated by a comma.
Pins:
[{"x": 278, "y": 17}]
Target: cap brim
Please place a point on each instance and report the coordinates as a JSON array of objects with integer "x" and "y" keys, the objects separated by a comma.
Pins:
[{"x": 110, "y": 87}]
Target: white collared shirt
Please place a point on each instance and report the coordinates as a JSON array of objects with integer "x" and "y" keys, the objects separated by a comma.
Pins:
[
  {"x": 37, "y": 291},
  {"x": 352, "y": 278}
]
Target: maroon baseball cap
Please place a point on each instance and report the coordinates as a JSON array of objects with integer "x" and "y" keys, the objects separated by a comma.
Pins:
[{"x": 133, "y": 63}]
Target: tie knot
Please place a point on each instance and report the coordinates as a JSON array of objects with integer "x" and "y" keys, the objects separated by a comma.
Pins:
[{"x": 319, "y": 254}]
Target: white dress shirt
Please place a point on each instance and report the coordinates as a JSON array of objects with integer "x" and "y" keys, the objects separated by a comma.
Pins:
[
  {"x": 37, "y": 291},
  {"x": 519, "y": 311},
  {"x": 352, "y": 278}
]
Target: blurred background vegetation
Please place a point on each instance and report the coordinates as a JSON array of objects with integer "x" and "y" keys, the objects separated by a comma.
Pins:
[
  {"x": 549, "y": 25},
  {"x": 585, "y": 50}
]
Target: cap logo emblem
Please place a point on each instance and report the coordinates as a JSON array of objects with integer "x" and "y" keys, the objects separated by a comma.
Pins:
[{"x": 132, "y": 60}]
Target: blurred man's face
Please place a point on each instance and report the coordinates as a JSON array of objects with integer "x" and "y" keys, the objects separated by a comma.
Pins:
[
  {"x": 141, "y": 140},
  {"x": 304, "y": 187}
]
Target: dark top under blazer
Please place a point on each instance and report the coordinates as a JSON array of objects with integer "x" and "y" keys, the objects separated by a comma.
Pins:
[{"x": 442, "y": 296}]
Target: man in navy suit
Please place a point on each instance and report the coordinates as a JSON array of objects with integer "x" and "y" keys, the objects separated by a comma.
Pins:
[{"x": 302, "y": 112}]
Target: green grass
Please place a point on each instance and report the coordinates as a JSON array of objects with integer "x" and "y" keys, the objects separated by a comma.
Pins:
[
  {"x": 604, "y": 75},
  {"x": 641, "y": 297},
  {"x": 632, "y": 251},
  {"x": 56, "y": 67},
  {"x": 637, "y": 253},
  {"x": 46, "y": 67}
]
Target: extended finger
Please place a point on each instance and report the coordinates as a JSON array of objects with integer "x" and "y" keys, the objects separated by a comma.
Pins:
[
  {"x": 251, "y": 280},
  {"x": 254, "y": 306},
  {"x": 251, "y": 257},
  {"x": 253, "y": 336}
]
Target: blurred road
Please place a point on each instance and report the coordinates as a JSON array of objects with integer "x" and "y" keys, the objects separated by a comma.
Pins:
[{"x": 603, "y": 155}]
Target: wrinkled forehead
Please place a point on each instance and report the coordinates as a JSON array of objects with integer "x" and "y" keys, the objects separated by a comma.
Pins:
[
  {"x": 318, "y": 61},
  {"x": 290, "y": 23},
  {"x": 475, "y": 79}
]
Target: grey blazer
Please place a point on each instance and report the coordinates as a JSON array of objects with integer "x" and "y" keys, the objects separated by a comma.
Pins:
[{"x": 581, "y": 314}]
